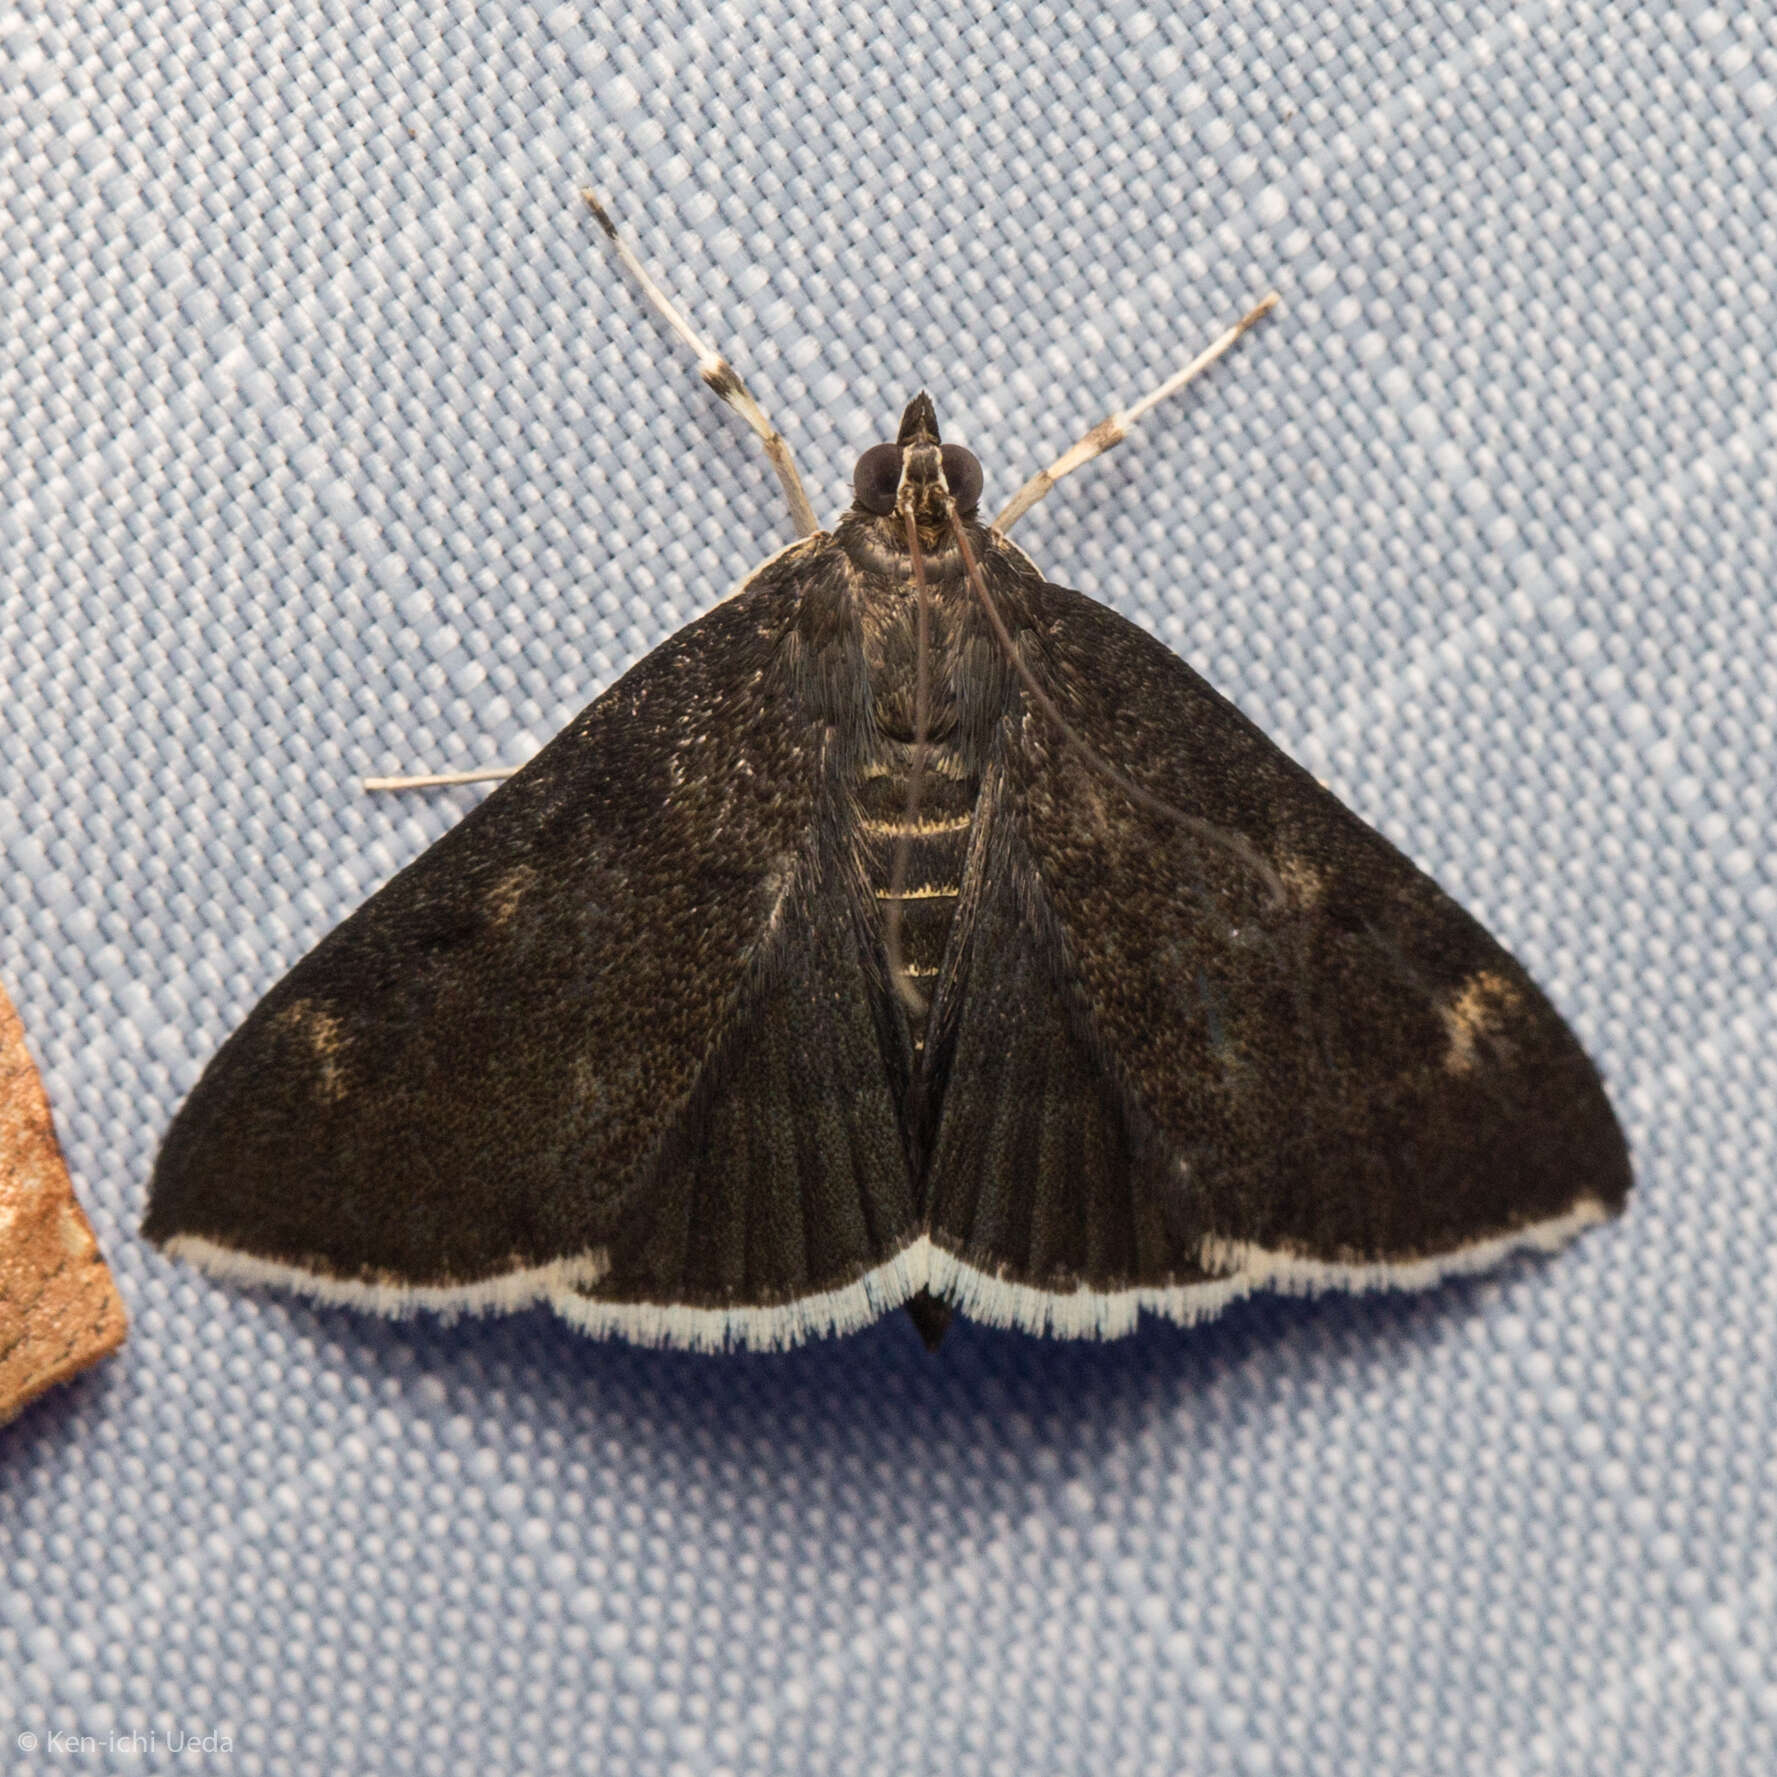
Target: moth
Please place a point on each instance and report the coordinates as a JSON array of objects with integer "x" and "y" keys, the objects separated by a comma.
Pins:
[{"x": 907, "y": 930}]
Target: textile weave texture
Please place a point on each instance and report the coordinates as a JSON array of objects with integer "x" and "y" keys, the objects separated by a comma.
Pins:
[{"x": 337, "y": 443}]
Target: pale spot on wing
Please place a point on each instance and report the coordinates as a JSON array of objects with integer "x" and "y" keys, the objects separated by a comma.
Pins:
[
  {"x": 325, "y": 1036},
  {"x": 1481, "y": 1007},
  {"x": 504, "y": 897},
  {"x": 1302, "y": 882}
]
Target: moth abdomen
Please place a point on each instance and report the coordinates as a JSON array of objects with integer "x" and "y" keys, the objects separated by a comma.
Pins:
[{"x": 928, "y": 833}]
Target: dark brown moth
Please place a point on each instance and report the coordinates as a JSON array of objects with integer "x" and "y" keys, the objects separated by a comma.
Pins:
[{"x": 907, "y": 929}]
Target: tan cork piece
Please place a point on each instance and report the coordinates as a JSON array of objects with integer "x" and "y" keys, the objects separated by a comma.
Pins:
[{"x": 59, "y": 1309}]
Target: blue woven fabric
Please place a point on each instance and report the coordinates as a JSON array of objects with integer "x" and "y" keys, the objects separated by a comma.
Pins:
[{"x": 336, "y": 442}]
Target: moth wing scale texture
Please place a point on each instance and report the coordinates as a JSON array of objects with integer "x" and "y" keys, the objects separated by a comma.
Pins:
[
  {"x": 556, "y": 1057},
  {"x": 1172, "y": 1073}
]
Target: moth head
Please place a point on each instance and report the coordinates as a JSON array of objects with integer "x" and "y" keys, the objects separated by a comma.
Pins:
[{"x": 918, "y": 468}]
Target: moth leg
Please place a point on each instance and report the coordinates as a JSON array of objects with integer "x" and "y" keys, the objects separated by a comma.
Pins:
[
  {"x": 1116, "y": 427},
  {"x": 721, "y": 376}
]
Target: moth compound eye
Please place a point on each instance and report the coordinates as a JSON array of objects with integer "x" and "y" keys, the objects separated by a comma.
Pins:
[
  {"x": 877, "y": 477},
  {"x": 962, "y": 475}
]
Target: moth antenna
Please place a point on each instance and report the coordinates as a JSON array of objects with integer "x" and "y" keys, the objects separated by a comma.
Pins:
[
  {"x": 724, "y": 380},
  {"x": 439, "y": 780},
  {"x": 1115, "y": 428},
  {"x": 922, "y": 722},
  {"x": 720, "y": 376},
  {"x": 1236, "y": 844}
]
